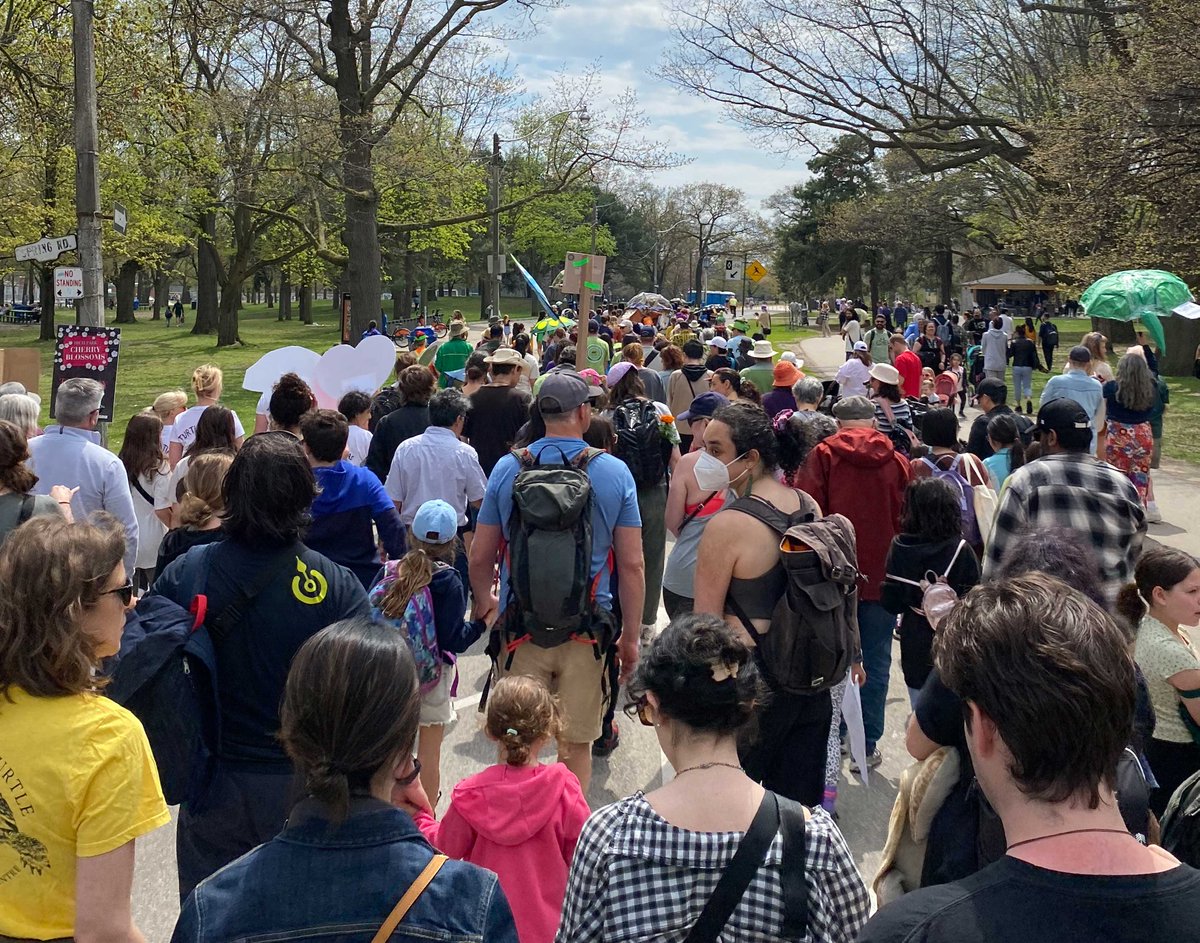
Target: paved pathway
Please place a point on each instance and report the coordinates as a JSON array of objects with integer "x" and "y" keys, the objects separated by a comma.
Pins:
[{"x": 1175, "y": 483}]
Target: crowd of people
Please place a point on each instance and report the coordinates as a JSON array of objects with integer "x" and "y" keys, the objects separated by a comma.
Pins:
[{"x": 319, "y": 578}]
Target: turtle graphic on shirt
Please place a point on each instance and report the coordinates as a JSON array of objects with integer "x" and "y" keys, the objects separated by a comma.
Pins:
[{"x": 31, "y": 851}]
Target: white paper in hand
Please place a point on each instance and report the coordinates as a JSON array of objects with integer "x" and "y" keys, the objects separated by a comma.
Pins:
[{"x": 852, "y": 714}]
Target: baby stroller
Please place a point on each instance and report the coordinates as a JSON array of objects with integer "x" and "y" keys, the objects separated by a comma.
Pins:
[
  {"x": 974, "y": 365},
  {"x": 945, "y": 385}
]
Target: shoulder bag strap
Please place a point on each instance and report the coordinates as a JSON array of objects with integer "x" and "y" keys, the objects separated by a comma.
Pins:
[
  {"x": 740, "y": 871},
  {"x": 404, "y": 905},
  {"x": 792, "y": 875},
  {"x": 953, "y": 560},
  {"x": 137, "y": 486},
  {"x": 694, "y": 514},
  {"x": 26, "y": 512},
  {"x": 235, "y": 611}
]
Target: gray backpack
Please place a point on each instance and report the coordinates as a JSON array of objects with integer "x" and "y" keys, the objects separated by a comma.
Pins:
[
  {"x": 552, "y": 595},
  {"x": 813, "y": 636}
]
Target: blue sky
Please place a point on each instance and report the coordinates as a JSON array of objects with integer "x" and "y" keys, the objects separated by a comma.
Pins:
[{"x": 626, "y": 39}]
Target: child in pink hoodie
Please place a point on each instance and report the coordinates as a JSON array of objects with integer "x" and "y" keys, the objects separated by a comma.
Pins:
[{"x": 519, "y": 818}]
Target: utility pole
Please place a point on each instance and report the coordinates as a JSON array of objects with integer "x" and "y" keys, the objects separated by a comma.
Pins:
[
  {"x": 595, "y": 219},
  {"x": 745, "y": 259},
  {"x": 89, "y": 309},
  {"x": 495, "y": 269}
]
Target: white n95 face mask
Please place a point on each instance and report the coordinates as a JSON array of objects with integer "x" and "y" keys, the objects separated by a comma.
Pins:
[{"x": 711, "y": 473}]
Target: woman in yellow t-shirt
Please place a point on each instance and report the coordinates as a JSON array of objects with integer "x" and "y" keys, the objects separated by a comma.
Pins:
[{"x": 77, "y": 781}]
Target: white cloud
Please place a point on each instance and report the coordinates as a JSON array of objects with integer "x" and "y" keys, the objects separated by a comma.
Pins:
[{"x": 627, "y": 40}]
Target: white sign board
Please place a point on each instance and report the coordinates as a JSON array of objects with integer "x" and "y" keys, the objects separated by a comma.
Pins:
[
  {"x": 68, "y": 282},
  {"x": 47, "y": 250},
  {"x": 120, "y": 218},
  {"x": 733, "y": 270}
]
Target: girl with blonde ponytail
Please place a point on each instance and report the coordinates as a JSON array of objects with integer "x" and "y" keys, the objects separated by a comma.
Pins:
[{"x": 423, "y": 597}]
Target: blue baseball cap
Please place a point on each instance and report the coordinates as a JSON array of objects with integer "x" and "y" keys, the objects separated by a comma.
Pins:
[
  {"x": 703, "y": 406},
  {"x": 436, "y": 522}
]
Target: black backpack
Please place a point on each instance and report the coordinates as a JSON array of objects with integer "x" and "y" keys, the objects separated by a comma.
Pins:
[
  {"x": 551, "y": 591},
  {"x": 386, "y": 401},
  {"x": 1050, "y": 335},
  {"x": 639, "y": 441},
  {"x": 814, "y": 627}
]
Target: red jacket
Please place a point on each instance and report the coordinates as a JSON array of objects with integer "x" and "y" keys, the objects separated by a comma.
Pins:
[
  {"x": 909, "y": 365},
  {"x": 858, "y": 473},
  {"x": 523, "y": 823}
]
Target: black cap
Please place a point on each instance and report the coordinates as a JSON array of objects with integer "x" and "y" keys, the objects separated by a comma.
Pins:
[
  {"x": 993, "y": 389},
  {"x": 1062, "y": 415}
]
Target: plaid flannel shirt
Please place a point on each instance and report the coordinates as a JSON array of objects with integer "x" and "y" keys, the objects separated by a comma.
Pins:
[
  {"x": 1078, "y": 493},
  {"x": 637, "y": 877}
]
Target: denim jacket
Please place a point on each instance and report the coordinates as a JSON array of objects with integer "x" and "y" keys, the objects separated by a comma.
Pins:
[{"x": 323, "y": 883}]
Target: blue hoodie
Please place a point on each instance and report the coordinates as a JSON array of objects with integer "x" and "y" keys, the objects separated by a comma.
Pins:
[{"x": 351, "y": 499}]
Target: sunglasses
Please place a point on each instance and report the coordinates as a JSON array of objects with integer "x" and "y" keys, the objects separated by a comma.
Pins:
[
  {"x": 411, "y": 777},
  {"x": 640, "y": 709},
  {"x": 124, "y": 592}
]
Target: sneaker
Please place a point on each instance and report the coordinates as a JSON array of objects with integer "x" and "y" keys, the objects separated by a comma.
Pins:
[
  {"x": 605, "y": 745},
  {"x": 647, "y": 636},
  {"x": 1153, "y": 514},
  {"x": 873, "y": 761},
  {"x": 1029, "y": 407}
]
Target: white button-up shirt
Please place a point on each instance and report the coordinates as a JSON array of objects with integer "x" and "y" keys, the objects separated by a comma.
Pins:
[
  {"x": 435, "y": 464},
  {"x": 66, "y": 455}
]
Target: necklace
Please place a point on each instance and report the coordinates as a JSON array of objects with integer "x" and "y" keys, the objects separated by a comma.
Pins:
[
  {"x": 1070, "y": 831},
  {"x": 709, "y": 766}
]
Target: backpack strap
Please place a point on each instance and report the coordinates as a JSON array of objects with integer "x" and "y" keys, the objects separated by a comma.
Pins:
[
  {"x": 792, "y": 874},
  {"x": 739, "y": 873},
  {"x": 26, "y": 512},
  {"x": 235, "y": 611},
  {"x": 404, "y": 905},
  {"x": 953, "y": 559},
  {"x": 137, "y": 486}
]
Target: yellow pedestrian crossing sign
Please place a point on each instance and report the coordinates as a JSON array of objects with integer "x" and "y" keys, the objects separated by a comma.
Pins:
[{"x": 755, "y": 270}]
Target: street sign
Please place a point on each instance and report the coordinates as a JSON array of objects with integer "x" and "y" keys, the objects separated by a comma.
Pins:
[
  {"x": 497, "y": 264},
  {"x": 120, "y": 218},
  {"x": 733, "y": 270},
  {"x": 90, "y": 352},
  {"x": 577, "y": 266},
  {"x": 47, "y": 249},
  {"x": 755, "y": 271},
  {"x": 68, "y": 282}
]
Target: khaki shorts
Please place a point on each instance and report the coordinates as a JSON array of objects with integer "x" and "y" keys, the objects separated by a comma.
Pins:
[
  {"x": 436, "y": 709},
  {"x": 575, "y": 675},
  {"x": 1156, "y": 455}
]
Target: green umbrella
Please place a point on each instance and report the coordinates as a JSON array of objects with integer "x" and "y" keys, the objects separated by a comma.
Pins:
[
  {"x": 1138, "y": 295},
  {"x": 547, "y": 324}
]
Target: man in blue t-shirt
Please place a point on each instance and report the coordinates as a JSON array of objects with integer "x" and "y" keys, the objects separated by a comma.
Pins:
[{"x": 570, "y": 670}]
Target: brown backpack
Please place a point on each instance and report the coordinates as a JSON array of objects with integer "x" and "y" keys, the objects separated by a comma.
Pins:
[{"x": 813, "y": 638}]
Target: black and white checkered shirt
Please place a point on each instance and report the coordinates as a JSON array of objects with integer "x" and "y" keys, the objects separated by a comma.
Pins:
[
  {"x": 637, "y": 877},
  {"x": 1074, "y": 492}
]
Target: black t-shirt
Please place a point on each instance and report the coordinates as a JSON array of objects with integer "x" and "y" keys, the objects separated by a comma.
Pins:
[
  {"x": 309, "y": 593},
  {"x": 497, "y": 415},
  {"x": 1012, "y": 900},
  {"x": 396, "y": 427}
]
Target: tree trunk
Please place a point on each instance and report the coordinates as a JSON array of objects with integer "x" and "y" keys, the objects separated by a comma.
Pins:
[
  {"x": 268, "y": 285},
  {"x": 46, "y": 272},
  {"x": 874, "y": 283},
  {"x": 162, "y": 290},
  {"x": 126, "y": 291},
  {"x": 410, "y": 281},
  {"x": 285, "y": 297},
  {"x": 207, "y": 274},
  {"x": 945, "y": 270},
  {"x": 1182, "y": 336},
  {"x": 227, "y": 314},
  {"x": 144, "y": 285},
  {"x": 854, "y": 279},
  {"x": 306, "y": 299},
  {"x": 1117, "y": 332}
]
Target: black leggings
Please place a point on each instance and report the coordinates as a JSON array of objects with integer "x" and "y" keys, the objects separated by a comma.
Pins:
[
  {"x": 788, "y": 751},
  {"x": 675, "y": 604},
  {"x": 1172, "y": 763},
  {"x": 1048, "y": 354}
]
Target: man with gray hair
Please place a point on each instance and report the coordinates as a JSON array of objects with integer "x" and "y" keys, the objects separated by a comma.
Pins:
[
  {"x": 438, "y": 464},
  {"x": 67, "y": 455}
]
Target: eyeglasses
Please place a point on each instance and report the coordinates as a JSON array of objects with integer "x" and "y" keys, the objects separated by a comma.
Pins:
[
  {"x": 411, "y": 777},
  {"x": 124, "y": 592},
  {"x": 640, "y": 709}
]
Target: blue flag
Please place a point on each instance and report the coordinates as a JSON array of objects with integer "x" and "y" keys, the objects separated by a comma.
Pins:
[{"x": 534, "y": 286}]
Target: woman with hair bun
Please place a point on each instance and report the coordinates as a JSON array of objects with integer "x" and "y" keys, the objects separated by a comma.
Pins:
[
  {"x": 1163, "y": 597},
  {"x": 350, "y": 850},
  {"x": 290, "y": 399},
  {"x": 519, "y": 818},
  {"x": 647, "y": 865}
]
